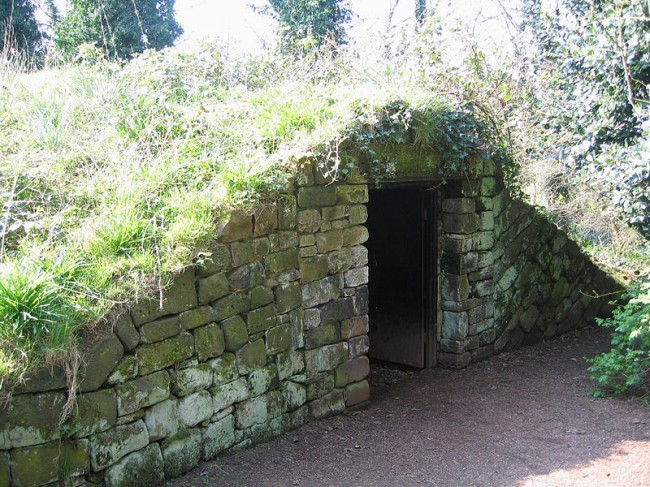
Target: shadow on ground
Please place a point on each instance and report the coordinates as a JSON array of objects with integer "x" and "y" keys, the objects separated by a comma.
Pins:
[{"x": 523, "y": 418}]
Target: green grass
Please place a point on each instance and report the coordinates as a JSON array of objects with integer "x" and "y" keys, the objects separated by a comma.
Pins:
[{"x": 111, "y": 176}]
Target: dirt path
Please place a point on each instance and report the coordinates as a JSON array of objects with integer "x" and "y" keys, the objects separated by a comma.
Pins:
[{"x": 520, "y": 419}]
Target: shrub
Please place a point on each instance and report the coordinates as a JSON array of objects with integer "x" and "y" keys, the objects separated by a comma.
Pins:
[{"x": 626, "y": 368}]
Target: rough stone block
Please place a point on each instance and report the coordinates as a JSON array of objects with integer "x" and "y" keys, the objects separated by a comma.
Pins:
[
  {"x": 31, "y": 419},
  {"x": 146, "y": 466},
  {"x": 328, "y": 405},
  {"x": 253, "y": 411},
  {"x": 317, "y": 196},
  {"x": 353, "y": 370},
  {"x": 101, "y": 360},
  {"x": 195, "y": 408},
  {"x": 212, "y": 288},
  {"x": 218, "y": 437},
  {"x": 228, "y": 394},
  {"x": 320, "y": 386},
  {"x": 356, "y": 277},
  {"x": 261, "y": 319},
  {"x": 482, "y": 353},
  {"x": 455, "y": 288},
  {"x": 336, "y": 212},
  {"x": 355, "y": 235},
  {"x": 235, "y": 333},
  {"x": 453, "y": 346},
  {"x": 265, "y": 220},
  {"x": 529, "y": 318},
  {"x": 208, "y": 342},
  {"x": 238, "y": 227},
  {"x": 458, "y": 205},
  {"x": 458, "y": 244},
  {"x": 360, "y": 301},
  {"x": 95, "y": 411},
  {"x": 460, "y": 223},
  {"x": 321, "y": 291},
  {"x": 260, "y": 296},
  {"x": 483, "y": 241},
  {"x": 337, "y": 310},
  {"x": 295, "y": 395},
  {"x": 216, "y": 258},
  {"x": 313, "y": 268},
  {"x": 309, "y": 221},
  {"x": 162, "y": 420},
  {"x": 459, "y": 263},
  {"x": 278, "y": 339},
  {"x": 224, "y": 369},
  {"x": 358, "y": 346},
  {"x": 281, "y": 261},
  {"x": 108, "y": 447},
  {"x": 454, "y": 325},
  {"x": 287, "y": 210},
  {"x": 263, "y": 380},
  {"x": 325, "y": 358},
  {"x": 289, "y": 364},
  {"x": 359, "y": 256},
  {"x": 126, "y": 332},
  {"x": 358, "y": 214},
  {"x": 191, "y": 379},
  {"x": 40, "y": 465},
  {"x": 354, "y": 327},
  {"x": 486, "y": 221},
  {"x": 328, "y": 241},
  {"x": 507, "y": 279},
  {"x": 351, "y": 193},
  {"x": 127, "y": 369},
  {"x": 246, "y": 276},
  {"x": 288, "y": 239},
  {"x": 142, "y": 392},
  {"x": 231, "y": 305},
  {"x": 287, "y": 297},
  {"x": 454, "y": 361},
  {"x": 159, "y": 329},
  {"x": 251, "y": 357},
  {"x": 197, "y": 317},
  {"x": 181, "y": 296},
  {"x": 357, "y": 393},
  {"x": 5, "y": 474},
  {"x": 181, "y": 453},
  {"x": 323, "y": 335},
  {"x": 163, "y": 354}
]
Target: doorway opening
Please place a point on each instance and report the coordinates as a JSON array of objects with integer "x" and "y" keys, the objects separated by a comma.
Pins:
[{"x": 402, "y": 259}]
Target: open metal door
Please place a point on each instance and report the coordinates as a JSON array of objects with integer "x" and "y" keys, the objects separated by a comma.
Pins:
[{"x": 401, "y": 249}]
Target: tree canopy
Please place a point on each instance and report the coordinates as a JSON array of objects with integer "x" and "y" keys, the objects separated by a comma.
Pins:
[{"x": 19, "y": 31}]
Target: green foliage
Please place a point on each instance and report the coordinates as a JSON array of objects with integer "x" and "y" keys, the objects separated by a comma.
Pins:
[
  {"x": 626, "y": 368},
  {"x": 308, "y": 24},
  {"x": 120, "y": 28},
  {"x": 20, "y": 36},
  {"x": 595, "y": 74}
]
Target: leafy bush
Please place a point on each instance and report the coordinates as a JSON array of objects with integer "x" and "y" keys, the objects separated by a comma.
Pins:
[{"x": 626, "y": 368}]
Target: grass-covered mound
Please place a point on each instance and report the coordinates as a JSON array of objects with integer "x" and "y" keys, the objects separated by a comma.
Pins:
[{"x": 111, "y": 176}]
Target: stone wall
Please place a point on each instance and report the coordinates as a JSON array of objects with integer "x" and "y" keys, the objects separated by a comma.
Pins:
[
  {"x": 508, "y": 276},
  {"x": 268, "y": 331}
]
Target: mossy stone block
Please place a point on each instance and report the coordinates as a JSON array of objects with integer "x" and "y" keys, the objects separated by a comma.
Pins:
[
  {"x": 159, "y": 329},
  {"x": 335, "y": 212},
  {"x": 295, "y": 395},
  {"x": 195, "y": 408},
  {"x": 157, "y": 356},
  {"x": 235, "y": 333},
  {"x": 322, "y": 335},
  {"x": 108, "y": 447},
  {"x": 181, "y": 453},
  {"x": 102, "y": 359},
  {"x": 253, "y": 411},
  {"x": 42, "y": 464},
  {"x": 278, "y": 339},
  {"x": 358, "y": 214},
  {"x": 328, "y": 405},
  {"x": 146, "y": 466},
  {"x": 460, "y": 223},
  {"x": 95, "y": 411},
  {"x": 215, "y": 259},
  {"x": 162, "y": 419},
  {"x": 281, "y": 261},
  {"x": 321, "y": 291},
  {"x": 224, "y": 369},
  {"x": 261, "y": 319},
  {"x": 31, "y": 419},
  {"x": 191, "y": 379},
  {"x": 328, "y": 241},
  {"x": 127, "y": 369},
  {"x": 287, "y": 297},
  {"x": 289, "y": 363},
  {"x": 325, "y": 358},
  {"x": 354, "y": 327},
  {"x": 357, "y": 393},
  {"x": 351, "y": 193},
  {"x": 251, "y": 357},
  {"x": 337, "y": 310},
  {"x": 263, "y": 380},
  {"x": 5, "y": 474},
  {"x": 142, "y": 392},
  {"x": 212, "y": 288},
  {"x": 226, "y": 395},
  {"x": 181, "y": 296},
  {"x": 287, "y": 211},
  {"x": 231, "y": 305},
  {"x": 309, "y": 221},
  {"x": 455, "y": 288},
  {"x": 339, "y": 261},
  {"x": 42, "y": 380},
  {"x": 321, "y": 386},
  {"x": 355, "y": 235},
  {"x": 218, "y": 436},
  {"x": 265, "y": 220},
  {"x": 242, "y": 253},
  {"x": 260, "y": 296},
  {"x": 359, "y": 346},
  {"x": 317, "y": 196},
  {"x": 197, "y": 317},
  {"x": 208, "y": 342}
]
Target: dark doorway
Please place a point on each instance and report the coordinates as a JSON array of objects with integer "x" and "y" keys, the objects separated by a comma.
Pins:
[{"x": 402, "y": 253}]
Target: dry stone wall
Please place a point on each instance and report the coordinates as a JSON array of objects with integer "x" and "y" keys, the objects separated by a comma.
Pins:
[
  {"x": 268, "y": 330},
  {"x": 508, "y": 276}
]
